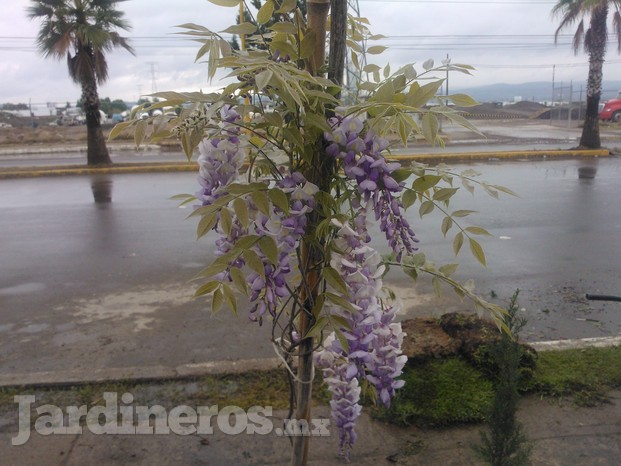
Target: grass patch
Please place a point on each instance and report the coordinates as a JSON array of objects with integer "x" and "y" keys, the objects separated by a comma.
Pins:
[
  {"x": 437, "y": 393},
  {"x": 440, "y": 393},
  {"x": 582, "y": 374},
  {"x": 262, "y": 388}
]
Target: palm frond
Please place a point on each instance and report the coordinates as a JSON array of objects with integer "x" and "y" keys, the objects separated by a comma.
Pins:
[{"x": 82, "y": 30}]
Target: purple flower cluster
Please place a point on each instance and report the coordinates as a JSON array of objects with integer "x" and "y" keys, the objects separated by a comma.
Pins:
[
  {"x": 374, "y": 339},
  {"x": 286, "y": 228},
  {"x": 221, "y": 157},
  {"x": 361, "y": 154}
]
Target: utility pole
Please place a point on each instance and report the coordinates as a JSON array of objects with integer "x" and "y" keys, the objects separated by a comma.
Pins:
[
  {"x": 446, "y": 62},
  {"x": 552, "y": 99},
  {"x": 571, "y": 94},
  {"x": 152, "y": 65}
]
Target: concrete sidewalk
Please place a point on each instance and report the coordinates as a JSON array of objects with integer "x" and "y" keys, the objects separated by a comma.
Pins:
[{"x": 561, "y": 434}]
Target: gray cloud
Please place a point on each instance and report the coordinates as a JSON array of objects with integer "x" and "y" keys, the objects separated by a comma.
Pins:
[{"x": 416, "y": 32}]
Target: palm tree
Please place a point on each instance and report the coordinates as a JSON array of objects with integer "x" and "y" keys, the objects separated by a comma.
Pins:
[
  {"x": 83, "y": 30},
  {"x": 594, "y": 42}
]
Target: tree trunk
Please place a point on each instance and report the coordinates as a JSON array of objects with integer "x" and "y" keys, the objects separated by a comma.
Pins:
[
  {"x": 311, "y": 255},
  {"x": 597, "y": 50},
  {"x": 97, "y": 152}
]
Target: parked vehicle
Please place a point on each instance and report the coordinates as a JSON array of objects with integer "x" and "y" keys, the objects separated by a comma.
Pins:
[{"x": 611, "y": 110}]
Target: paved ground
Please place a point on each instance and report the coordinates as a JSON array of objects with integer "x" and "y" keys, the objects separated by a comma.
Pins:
[{"x": 561, "y": 434}]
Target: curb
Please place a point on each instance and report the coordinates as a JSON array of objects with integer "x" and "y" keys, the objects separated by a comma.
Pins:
[
  {"x": 157, "y": 167},
  {"x": 75, "y": 377},
  {"x": 153, "y": 167},
  {"x": 69, "y": 378}
]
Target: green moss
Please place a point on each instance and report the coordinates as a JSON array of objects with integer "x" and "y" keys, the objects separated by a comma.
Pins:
[
  {"x": 440, "y": 393},
  {"x": 262, "y": 388},
  {"x": 586, "y": 374}
]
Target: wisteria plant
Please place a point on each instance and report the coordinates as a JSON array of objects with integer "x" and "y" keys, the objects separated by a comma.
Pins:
[{"x": 293, "y": 193}]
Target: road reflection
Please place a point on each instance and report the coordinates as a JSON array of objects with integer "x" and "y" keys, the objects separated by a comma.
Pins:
[{"x": 101, "y": 185}]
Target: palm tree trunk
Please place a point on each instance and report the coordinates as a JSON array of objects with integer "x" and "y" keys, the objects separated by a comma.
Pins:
[
  {"x": 597, "y": 50},
  {"x": 97, "y": 152}
]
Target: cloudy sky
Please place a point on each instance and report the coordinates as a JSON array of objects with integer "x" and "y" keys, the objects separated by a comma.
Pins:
[{"x": 508, "y": 41}]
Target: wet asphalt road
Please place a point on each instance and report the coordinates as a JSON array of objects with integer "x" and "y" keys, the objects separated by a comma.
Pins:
[{"x": 95, "y": 270}]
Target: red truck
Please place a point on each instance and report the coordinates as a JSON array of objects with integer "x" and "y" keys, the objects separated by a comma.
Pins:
[{"x": 612, "y": 109}]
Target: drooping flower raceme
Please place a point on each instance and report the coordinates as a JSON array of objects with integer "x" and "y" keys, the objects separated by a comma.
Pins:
[
  {"x": 363, "y": 162},
  {"x": 373, "y": 338},
  {"x": 221, "y": 159},
  {"x": 286, "y": 228}
]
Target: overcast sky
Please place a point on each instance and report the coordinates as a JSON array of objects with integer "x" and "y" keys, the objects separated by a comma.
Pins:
[{"x": 508, "y": 41}]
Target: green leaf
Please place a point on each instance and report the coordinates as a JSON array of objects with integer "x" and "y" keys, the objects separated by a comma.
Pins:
[
  {"x": 463, "y": 100},
  {"x": 316, "y": 329},
  {"x": 119, "y": 128},
  {"x": 254, "y": 262},
  {"x": 229, "y": 297},
  {"x": 477, "y": 251},
  {"x": 307, "y": 46},
  {"x": 462, "y": 213},
  {"x": 386, "y": 69},
  {"x": 239, "y": 280},
  {"x": 447, "y": 223},
  {"x": 420, "y": 95},
  {"x": 206, "y": 224},
  {"x": 140, "y": 132},
  {"x": 478, "y": 231},
  {"x": 226, "y": 3},
  {"x": 241, "y": 211},
  {"x": 444, "y": 194},
  {"x": 287, "y": 6},
  {"x": 279, "y": 199},
  {"x": 262, "y": 79},
  {"x": 448, "y": 269},
  {"x": 216, "y": 302},
  {"x": 207, "y": 288},
  {"x": 416, "y": 260},
  {"x": 312, "y": 119},
  {"x": 340, "y": 301},
  {"x": 376, "y": 49},
  {"x": 428, "y": 64},
  {"x": 243, "y": 28},
  {"x": 265, "y": 12},
  {"x": 437, "y": 286},
  {"x": 262, "y": 202},
  {"x": 284, "y": 27},
  {"x": 401, "y": 174},
  {"x": 318, "y": 306},
  {"x": 425, "y": 182},
  {"x": 268, "y": 246},
  {"x": 213, "y": 269},
  {"x": 504, "y": 190},
  {"x": 334, "y": 279},
  {"x": 467, "y": 184},
  {"x": 226, "y": 220},
  {"x": 342, "y": 340},
  {"x": 411, "y": 272},
  {"x": 425, "y": 208},
  {"x": 293, "y": 135},
  {"x": 408, "y": 198},
  {"x": 245, "y": 242},
  {"x": 458, "y": 241},
  {"x": 430, "y": 127}
]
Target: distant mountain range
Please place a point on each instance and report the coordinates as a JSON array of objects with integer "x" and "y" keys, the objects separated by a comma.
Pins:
[{"x": 539, "y": 91}]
